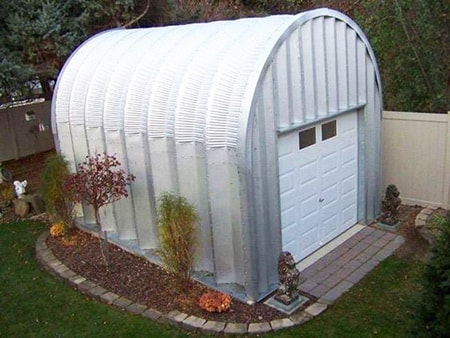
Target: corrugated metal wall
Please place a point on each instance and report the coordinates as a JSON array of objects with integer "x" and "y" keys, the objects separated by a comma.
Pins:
[{"x": 323, "y": 68}]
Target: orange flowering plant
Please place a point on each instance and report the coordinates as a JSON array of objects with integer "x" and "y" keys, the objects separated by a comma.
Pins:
[
  {"x": 215, "y": 301},
  {"x": 57, "y": 229}
]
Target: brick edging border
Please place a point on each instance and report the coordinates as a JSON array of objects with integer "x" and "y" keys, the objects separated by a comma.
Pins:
[
  {"x": 50, "y": 263},
  {"x": 422, "y": 216}
]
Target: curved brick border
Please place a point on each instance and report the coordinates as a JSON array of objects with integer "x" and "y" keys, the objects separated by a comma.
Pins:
[
  {"x": 50, "y": 263},
  {"x": 422, "y": 217}
]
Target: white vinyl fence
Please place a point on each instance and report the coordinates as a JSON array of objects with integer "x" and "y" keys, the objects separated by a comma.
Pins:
[{"x": 416, "y": 157}]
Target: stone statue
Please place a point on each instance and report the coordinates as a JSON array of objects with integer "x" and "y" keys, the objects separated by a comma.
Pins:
[
  {"x": 289, "y": 279},
  {"x": 390, "y": 205},
  {"x": 20, "y": 188}
]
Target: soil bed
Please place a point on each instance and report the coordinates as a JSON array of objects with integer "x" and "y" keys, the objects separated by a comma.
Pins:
[{"x": 141, "y": 281}]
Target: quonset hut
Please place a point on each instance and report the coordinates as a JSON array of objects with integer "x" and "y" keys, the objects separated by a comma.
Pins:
[{"x": 269, "y": 126}]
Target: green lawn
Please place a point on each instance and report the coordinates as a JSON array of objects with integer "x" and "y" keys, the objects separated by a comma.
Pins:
[{"x": 35, "y": 304}]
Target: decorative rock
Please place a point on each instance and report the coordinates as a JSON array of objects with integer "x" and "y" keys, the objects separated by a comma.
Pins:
[
  {"x": 426, "y": 226},
  {"x": 36, "y": 202},
  {"x": 21, "y": 208}
]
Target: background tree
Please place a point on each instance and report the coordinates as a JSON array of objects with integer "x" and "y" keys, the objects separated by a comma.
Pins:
[
  {"x": 37, "y": 36},
  {"x": 410, "y": 38}
]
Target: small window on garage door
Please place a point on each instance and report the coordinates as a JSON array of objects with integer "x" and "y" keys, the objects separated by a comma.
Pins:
[
  {"x": 328, "y": 130},
  {"x": 307, "y": 138}
]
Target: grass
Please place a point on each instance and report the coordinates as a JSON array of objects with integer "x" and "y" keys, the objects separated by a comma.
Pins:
[
  {"x": 378, "y": 306},
  {"x": 35, "y": 304}
]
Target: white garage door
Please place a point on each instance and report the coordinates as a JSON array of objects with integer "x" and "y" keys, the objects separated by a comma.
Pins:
[{"x": 318, "y": 169}]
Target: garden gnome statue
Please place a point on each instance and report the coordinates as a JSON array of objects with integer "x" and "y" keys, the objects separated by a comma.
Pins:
[
  {"x": 20, "y": 188},
  {"x": 390, "y": 205},
  {"x": 289, "y": 279}
]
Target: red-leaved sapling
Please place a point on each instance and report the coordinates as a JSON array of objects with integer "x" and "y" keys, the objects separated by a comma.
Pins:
[{"x": 99, "y": 181}]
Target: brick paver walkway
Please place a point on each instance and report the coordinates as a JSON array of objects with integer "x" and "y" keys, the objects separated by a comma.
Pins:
[{"x": 335, "y": 273}]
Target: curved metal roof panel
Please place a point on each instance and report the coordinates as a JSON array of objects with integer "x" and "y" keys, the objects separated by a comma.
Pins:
[
  {"x": 193, "y": 82},
  {"x": 185, "y": 81}
]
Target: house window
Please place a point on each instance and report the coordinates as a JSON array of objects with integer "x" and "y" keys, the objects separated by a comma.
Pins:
[
  {"x": 307, "y": 138},
  {"x": 328, "y": 130}
]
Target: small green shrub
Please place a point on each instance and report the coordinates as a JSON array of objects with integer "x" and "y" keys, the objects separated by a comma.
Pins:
[
  {"x": 433, "y": 310},
  {"x": 57, "y": 205},
  {"x": 7, "y": 191},
  {"x": 177, "y": 233}
]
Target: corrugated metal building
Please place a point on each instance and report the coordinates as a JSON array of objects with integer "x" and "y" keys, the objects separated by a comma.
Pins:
[{"x": 269, "y": 126}]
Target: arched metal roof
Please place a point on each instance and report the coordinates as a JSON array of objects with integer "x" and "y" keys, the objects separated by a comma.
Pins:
[{"x": 193, "y": 82}]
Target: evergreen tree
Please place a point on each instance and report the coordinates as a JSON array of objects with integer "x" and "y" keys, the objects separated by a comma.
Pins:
[{"x": 433, "y": 310}]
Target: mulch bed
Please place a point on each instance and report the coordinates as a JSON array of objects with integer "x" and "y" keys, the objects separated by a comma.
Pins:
[{"x": 141, "y": 281}]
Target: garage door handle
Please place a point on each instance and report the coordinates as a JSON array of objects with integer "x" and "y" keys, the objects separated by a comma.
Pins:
[{"x": 321, "y": 200}]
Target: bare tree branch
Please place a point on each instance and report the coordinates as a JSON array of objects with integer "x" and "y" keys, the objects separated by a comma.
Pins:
[{"x": 139, "y": 17}]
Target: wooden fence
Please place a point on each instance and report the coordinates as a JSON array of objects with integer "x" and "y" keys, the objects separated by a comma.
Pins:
[
  {"x": 416, "y": 157},
  {"x": 25, "y": 130}
]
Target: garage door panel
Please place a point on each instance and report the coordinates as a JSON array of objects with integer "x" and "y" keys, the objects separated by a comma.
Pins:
[
  {"x": 349, "y": 184},
  {"x": 329, "y": 163},
  {"x": 286, "y": 163},
  {"x": 310, "y": 241},
  {"x": 348, "y": 215},
  {"x": 288, "y": 217},
  {"x": 287, "y": 181},
  {"x": 308, "y": 172},
  {"x": 309, "y": 206},
  {"x": 324, "y": 184},
  {"x": 330, "y": 228},
  {"x": 349, "y": 155}
]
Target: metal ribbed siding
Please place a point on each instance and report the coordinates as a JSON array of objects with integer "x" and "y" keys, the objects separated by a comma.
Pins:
[{"x": 195, "y": 110}]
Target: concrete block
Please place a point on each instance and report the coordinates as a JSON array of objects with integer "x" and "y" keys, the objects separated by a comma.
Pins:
[
  {"x": 109, "y": 297},
  {"x": 136, "y": 308},
  {"x": 86, "y": 285},
  {"x": 213, "y": 326},
  {"x": 97, "y": 291},
  {"x": 176, "y": 317},
  {"x": 235, "y": 328},
  {"x": 278, "y": 324},
  {"x": 300, "y": 318},
  {"x": 122, "y": 302},
  {"x": 316, "y": 309},
  {"x": 193, "y": 322},
  {"x": 259, "y": 327},
  {"x": 77, "y": 279},
  {"x": 151, "y": 314}
]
